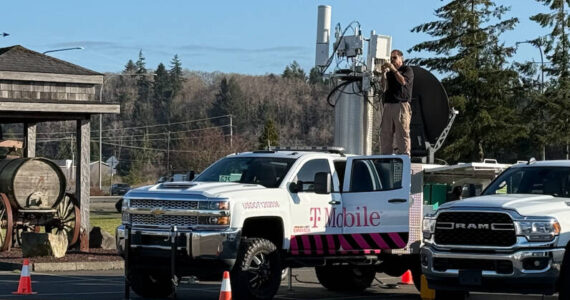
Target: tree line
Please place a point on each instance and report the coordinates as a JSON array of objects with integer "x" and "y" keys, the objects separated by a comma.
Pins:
[{"x": 176, "y": 120}]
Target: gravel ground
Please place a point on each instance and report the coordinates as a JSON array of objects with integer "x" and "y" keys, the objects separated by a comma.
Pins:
[{"x": 72, "y": 255}]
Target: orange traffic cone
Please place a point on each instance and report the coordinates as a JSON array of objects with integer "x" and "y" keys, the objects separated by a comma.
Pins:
[
  {"x": 407, "y": 278},
  {"x": 226, "y": 290},
  {"x": 25, "y": 285}
]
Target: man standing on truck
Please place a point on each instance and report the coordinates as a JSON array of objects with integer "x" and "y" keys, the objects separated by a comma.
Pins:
[{"x": 397, "y": 112}]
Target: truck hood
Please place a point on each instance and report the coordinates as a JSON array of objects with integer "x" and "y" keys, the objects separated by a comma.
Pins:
[
  {"x": 524, "y": 204},
  {"x": 201, "y": 189}
]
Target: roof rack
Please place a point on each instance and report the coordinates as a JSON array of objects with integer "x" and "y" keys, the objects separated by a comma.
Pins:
[{"x": 337, "y": 150}]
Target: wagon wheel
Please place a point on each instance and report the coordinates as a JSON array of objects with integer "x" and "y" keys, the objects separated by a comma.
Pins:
[
  {"x": 66, "y": 220},
  {"x": 6, "y": 223},
  {"x": 20, "y": 229}
]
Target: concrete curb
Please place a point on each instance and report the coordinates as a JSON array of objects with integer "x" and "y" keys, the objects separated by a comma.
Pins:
[{"x": 66, "y": 266}]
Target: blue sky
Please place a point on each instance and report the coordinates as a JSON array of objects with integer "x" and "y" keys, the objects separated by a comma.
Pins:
[{"x": 247, "y": 36}]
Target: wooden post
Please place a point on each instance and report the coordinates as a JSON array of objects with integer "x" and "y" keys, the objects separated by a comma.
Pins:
[
  {"x": 30, "y": 139},
  {"x": 82, "y": 178}
]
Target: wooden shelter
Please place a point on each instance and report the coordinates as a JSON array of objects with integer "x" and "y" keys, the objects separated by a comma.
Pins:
[{"x": 38, "y": 88}]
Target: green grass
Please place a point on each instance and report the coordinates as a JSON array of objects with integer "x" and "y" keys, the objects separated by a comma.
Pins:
[{"x": 107, "y": 221}]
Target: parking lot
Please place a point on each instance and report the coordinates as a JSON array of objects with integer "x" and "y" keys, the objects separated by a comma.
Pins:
[{"x": 109, "y": 285}]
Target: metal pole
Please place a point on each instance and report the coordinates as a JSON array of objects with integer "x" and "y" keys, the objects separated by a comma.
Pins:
[
  {"x": 231, "y": 133},
  {"x": 63, "y": 49},
  {"x": 101, "y": 132},
  {"x": 168, "y": 155}
]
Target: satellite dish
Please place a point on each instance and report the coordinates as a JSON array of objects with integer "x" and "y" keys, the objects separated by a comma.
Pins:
[{"x": 430, "y": 111}]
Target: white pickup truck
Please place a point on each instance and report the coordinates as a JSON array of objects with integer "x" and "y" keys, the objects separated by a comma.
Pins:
[
  {"x": 513, "y": 238},
  {"x": 257, "y": 213}
]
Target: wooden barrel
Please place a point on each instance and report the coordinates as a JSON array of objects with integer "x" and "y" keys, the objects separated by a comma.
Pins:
[{"x": 32, "y": 183}]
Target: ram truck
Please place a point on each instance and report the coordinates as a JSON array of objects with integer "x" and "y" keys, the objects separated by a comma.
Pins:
[{"x": 513, "y": 238}]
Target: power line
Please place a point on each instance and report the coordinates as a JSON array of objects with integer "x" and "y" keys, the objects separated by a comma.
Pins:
[
  {"x": 136, "y": 127},
  {"x": 152, "y": 149}
]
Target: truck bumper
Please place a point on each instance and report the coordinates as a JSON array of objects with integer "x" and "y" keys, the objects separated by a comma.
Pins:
[
  {"x": 192, "y": 246},
  {"x": 523, "y": 271}
]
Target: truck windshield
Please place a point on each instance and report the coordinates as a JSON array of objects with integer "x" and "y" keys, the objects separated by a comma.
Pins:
[
  {"x": 553, "y": 181},
  {"x": 266, "y": 171}
]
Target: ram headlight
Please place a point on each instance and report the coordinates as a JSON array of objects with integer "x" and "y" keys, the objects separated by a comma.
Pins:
[
  {"x": 428, "y": 227},
  {"x": 538, "y": 231}
]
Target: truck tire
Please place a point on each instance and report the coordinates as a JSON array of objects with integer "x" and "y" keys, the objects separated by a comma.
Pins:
[
  {"x": 394, "y": 266},
  {"x": 257, "y": 270},
  {"x": 416, "y": 269},
  {"x": 151, "y": 285},
  {"x": 345, "y": 278},
  {"x": 285, "y": 273},
  {"x": 450, "y": 295},
  {"x": 564, "y": 280}
]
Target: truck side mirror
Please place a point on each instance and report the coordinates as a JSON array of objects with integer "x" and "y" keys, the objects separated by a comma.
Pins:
[
  {"x": 322, "y": 183},
  {"x": 191, "y": 175},
  {"x": 294, "y": 187},
  {"x": 119, "y": 205}
]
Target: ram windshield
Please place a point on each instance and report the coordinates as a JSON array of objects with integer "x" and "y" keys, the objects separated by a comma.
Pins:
[{"x": 554, "y": 181}]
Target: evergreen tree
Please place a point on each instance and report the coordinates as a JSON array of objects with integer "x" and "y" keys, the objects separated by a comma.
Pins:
[
  {"x": 294, "y": 71},
  {"x": 315, "y": 76},
  {"x": 230, "y": 101},
  {"x": 143, "y": 107},
  {"x": 140, "y": 65},
  {"x": 176, "y": 75},
  {"x": 557, "y": 96},
  {"x": 269, "y": 136},
  {"x": 481, "y": 87},
  {"x": 130, "y": 67},
  {"x": 162, "y": 95}
]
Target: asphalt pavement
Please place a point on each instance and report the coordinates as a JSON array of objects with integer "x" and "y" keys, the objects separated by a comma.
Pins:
[{"x": 109, "y": 285}]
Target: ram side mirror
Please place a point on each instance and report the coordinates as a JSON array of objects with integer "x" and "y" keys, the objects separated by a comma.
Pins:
[
  {"x": 191, "y": 175},
  {"x": 323, "y": 183}
]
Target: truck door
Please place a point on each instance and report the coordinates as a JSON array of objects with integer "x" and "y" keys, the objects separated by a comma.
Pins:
[
  {"x": 312, "y": 232},
  {"x": 375, "y": 202}
]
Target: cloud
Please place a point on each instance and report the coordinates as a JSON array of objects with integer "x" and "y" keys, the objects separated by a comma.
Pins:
[{"x": 280, "y": 49}]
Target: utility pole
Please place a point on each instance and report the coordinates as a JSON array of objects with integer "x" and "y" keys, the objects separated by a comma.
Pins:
[
  {"x": 168, "y": 154},
  {"x": 231, "y": 133}
]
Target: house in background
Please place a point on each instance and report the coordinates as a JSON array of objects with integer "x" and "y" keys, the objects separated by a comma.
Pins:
[{"x": 69, "y": 171}]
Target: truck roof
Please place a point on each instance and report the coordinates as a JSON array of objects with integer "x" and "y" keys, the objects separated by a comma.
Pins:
[
  {"x": 545, "y": 163},
  {"x": 287, "y": 154}
]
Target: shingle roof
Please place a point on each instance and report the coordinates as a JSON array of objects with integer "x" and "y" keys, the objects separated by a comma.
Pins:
[{"x": 20, "y": 59}]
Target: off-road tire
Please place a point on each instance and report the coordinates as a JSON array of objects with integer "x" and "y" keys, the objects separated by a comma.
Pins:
[
  {"x": 394, "y": 266},
  {"x": 149, "y": 285},
  {"x": 416, "y": 268},
  {"x": 564, "y": 280},
  {"x": 285, "y": 274},
  {"x": 450, "y": 295},
  {"x": 345, "y": 278},
  {"x": 257, "y": 270}
]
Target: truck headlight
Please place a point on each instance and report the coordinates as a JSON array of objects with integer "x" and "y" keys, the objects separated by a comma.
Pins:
[
  {"x": 214, "y": 205},
  {"x": 428, "y": 227},
  {"x": 220, "y": 220},
  {"x": 219, "y": 205},
  {"x": 124, "y": 213},
  {"x": 538, "y": 231}
]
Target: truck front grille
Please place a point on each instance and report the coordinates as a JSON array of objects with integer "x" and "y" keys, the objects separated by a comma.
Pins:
[
  {"x": 499, "y": 266},
  {"x": 475, "y": 229},
  {"x": 164, "y": 220},
  {"x": 164, "y": 204}
]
